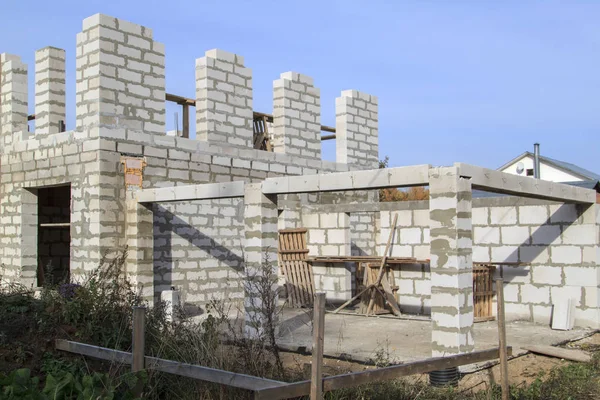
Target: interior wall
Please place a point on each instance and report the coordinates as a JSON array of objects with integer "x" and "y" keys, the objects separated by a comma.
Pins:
[{"x": 559, "y": 243}]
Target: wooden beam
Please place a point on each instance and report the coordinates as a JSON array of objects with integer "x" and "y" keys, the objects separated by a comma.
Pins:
[
  {"x": 186, "y": 121},
  {"x": 567, "y": 354},
  {"x": 299, "y": 389},
  {"x": 186, "y": 101},
  {"x": 180, "y": 100}
]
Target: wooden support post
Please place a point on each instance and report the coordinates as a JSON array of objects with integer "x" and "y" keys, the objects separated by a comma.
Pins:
[
  {"x": 316, "y": 379},
  {"x": 138, "y": 343},
  {"x": 186, "y": 121},
  {"x": 502, "y": 339}
]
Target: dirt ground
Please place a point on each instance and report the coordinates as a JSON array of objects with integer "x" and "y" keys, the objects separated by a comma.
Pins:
[{"x": 522, "y": 369}]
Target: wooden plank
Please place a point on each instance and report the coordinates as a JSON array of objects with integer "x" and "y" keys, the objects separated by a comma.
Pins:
[
  {"x": 299, "y": 389},
  {"x": 302, "y": 283},
  {"x": 55, "y": 225},
  {"x": 288, "y": 285},
  {"x": 293, "y": 251},
  {"x": 352, "y": 299},
  {"x": 502, "y": 340},
  {"x": 558, "y": 352},
  {"x": 138, "y": 338},
  {"x": 233, "y": 379},
  {"x": 292, "y": 230},
  {"x": 345, "y": 259},
  {"x": 389, "y": 296},
  {"x": 316, "y": 377},
  {"x": 292, "y": 287},
  {"x": 88, "y": 350},
  {"x": 484, "y": 319}
]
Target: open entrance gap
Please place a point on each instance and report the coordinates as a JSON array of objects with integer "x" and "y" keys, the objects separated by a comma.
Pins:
[{"x": 54, "y": 235}]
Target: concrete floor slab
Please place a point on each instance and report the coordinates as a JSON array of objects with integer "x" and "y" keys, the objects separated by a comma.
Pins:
[{"x": 362, "y": 338}]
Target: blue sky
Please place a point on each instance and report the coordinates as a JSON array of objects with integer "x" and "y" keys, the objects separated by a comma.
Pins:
[{"x": 470, "y": 81}]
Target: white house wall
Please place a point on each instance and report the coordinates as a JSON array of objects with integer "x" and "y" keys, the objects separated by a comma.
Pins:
[{"x": 547, "y": 172}]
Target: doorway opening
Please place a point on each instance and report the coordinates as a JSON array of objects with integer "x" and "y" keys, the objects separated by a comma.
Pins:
[{"x": 54, "y": 235}]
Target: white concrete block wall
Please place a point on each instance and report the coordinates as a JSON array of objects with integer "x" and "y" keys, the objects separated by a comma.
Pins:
[
  {"x": 224, "y": 99},
  {"x": 50, "y": 89},
  {"x": 296, "y": 115}
]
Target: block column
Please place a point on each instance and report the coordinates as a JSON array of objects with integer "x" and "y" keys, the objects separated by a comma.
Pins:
[
  {"x": 120, "y": 79},
  {"x": 140, "y": 242},
  {"x": 451, "y": 262},
  {"x": 296, "y": 116},
  {"x": 13, "y": 98},
  {"x": 224, "y": 99},
  {"x": 28, "y": 237},
  {"x": 356, "y": 129},
  {"x": 49, "y": 89},
  {"x": 260, "y": 252}
]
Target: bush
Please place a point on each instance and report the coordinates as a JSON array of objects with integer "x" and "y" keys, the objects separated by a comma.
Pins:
[{"x": 20, "y": 384}]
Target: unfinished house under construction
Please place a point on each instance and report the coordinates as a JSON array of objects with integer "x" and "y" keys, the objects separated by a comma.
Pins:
[{"x": 198, "y": 215}]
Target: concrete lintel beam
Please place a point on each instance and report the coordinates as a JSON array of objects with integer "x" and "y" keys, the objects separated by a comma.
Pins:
[
  {"x": 501, "y": 182},
  {"x": 192, "y": 192},
  {"x": 417, "y": 175}
]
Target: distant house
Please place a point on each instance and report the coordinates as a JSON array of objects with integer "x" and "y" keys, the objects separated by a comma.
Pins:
[
  {"x": 550, "y": 169},
  {"x": 554, "y": 170}
]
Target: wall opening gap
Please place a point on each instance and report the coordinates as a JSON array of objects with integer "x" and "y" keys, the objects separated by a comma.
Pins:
[{"x": 54, "y": 235}]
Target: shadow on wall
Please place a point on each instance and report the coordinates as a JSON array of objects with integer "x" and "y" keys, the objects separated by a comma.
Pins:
[
  {"x": 532, "y": 248},
  {"x": 166, "y": 258}
]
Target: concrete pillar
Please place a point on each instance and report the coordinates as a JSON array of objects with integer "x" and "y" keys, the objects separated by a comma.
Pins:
[
  {"x": 13, "y": 98},
  {"x": 451, "y": 262},
  {"x": 49, "y": 89},
  {"x": 260, "y": 252},
  {"x": 224, "y": 99},
  {"x": 296, "y": 116},
  {"x": 120, "y": 79},
  {"x": 356, "y": 129},
  {"x": 140, "y": 246}
]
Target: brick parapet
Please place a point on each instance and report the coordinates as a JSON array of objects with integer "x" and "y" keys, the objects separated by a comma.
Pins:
[
  {"x": 50, "y": 95},
  {"x": 120, "y": 77},
  {"x": 356, "y": 126},
  {"x": 224, "y": 99},
  {"x": 296, "y": 116}
]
